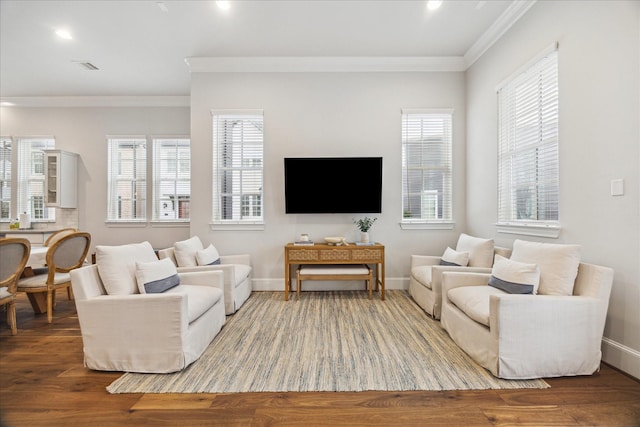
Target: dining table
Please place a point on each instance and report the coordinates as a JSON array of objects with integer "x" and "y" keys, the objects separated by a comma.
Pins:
[{"x": 37, "y": 260}]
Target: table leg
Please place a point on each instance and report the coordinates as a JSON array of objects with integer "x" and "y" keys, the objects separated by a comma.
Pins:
[
  {"x": 382, "y": 283},
  {"x": 38, "y": 301},
  {"x": 287, "y": 280}
]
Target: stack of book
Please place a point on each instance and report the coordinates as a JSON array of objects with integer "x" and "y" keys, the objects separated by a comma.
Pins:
[{"x": 303, "y": 243}]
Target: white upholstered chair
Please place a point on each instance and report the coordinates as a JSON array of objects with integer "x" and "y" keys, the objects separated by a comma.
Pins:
[
  {"x": 425, "y": 280},
  {"x": 14, "y": 253},
  {"x": 191, "y": 255},
  {"x": 137, "y": 314},
  {"x": 556, "y": 332}
]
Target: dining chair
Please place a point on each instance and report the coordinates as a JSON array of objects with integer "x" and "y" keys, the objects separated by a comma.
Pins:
[
  {"x": 68, "y": 253},
  {"x": 14, "y": 253},
  {"x": 54, "y": 237}
]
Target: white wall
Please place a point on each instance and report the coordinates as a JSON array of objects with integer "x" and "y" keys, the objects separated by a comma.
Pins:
[
  {"x": 599, "y": 141},
  {"x": 323, "y": 114},
  {"x": 84, "y": 131}
]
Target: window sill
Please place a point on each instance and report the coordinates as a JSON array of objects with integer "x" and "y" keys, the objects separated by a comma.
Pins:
[
  {"x": 237, "y": 226},
  {"x": 415, "y": 225},
  {"x": 170, "y": 224},
  {"x": 537, "y": 230},
  {"x": 126, "y": 224}
]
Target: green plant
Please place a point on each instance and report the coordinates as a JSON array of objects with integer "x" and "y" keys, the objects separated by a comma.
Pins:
[{"x": 364, "y": 224}]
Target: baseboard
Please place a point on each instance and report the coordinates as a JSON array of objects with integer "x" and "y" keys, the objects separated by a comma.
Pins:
[
  {"x": 621, "y": 357},
  {"x": 391, "y": 283}
]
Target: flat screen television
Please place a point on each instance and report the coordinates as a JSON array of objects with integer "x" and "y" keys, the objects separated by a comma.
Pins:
[{"x": 316, "y": 185}]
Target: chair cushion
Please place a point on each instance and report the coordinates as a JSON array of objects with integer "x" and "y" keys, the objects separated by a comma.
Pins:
[
  {"x": 558, "y": 264},
  {"x": 40, "y": 280},
  {"x": 514, "y": 277},
  {"x": 480, "y": 250},
  {"x": 208, "y": 256},
  {"x": 4, "y": 292},
  {"x": 117, "y": 266},
  {"x": 451, "y": 257},
  {"x": 185, "y": 251},
  {"x": 474, "y": 301},
  {"x": 156, "y": 276},
  {"x": 199, "y": 299},
  {"x": 423, "y": 275}
]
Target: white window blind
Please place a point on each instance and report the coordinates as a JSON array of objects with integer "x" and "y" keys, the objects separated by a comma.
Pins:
[
  {"x": 237, "y": 167},
  {"x": 427, "y": 165},
  {"x": 31, "y": 177},
  {"x": 127, "y": 178},
  {"x": 171, "y": 179},
  {"x": 528, "y": 165},
  {"x": 5, "y": 178}
]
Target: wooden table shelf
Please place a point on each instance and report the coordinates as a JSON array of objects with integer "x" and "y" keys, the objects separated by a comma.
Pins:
[{"x": 328, "y": 254}]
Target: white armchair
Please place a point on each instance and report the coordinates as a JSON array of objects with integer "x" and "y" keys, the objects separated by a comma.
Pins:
[
  {"x": 529, "y": 336},
  {"x": 123, "y": 330},
  {"x": 190, "y": 255},
  {"x": 425, "y": 280}
]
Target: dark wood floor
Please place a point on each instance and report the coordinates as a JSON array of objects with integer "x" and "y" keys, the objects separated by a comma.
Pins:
[{"x": 43, "y": 382}]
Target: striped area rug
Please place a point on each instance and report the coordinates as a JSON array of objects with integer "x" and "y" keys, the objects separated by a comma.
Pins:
[{"x": 326, "y": 341}]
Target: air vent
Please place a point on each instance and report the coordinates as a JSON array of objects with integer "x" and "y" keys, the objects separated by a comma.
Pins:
[{"x": 86, "y": 65}]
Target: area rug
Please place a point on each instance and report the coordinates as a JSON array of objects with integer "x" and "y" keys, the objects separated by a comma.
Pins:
[{"x": 326, "y": 341}]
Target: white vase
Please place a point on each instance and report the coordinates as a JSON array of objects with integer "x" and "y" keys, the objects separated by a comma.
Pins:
[{"x": 364, "y": 237}]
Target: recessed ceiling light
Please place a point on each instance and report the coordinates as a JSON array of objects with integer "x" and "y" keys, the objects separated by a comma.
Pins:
[
  {"x": 434, "y": 4},
  {"x": 63, "y": 34},
  {"x": 162, "y": 6},
  {"x": 223, "y": 4}
]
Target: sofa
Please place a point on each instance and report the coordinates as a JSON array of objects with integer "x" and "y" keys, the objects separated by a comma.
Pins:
[
  {"x": 472, "y": 254},
  {"x": 137, "y": 314},
  {"x": 190, "y": 255},
  {"x": 539, "y": 314}
]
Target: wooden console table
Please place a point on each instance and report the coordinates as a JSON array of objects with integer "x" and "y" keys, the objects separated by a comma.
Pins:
[{"x": 327, "y": 254}]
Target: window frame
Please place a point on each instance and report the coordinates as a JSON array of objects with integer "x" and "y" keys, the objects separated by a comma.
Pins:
[
  {"x": 176, "y": 168},
  {"x": 446, "y": 167},
  {"x": 27, "y": 178},
  {"x": 253, "y": 166},
  {"x": 115, "y": 161},
  {"x": 541, "y": 142},
  {"x": 7, "y": 168}
]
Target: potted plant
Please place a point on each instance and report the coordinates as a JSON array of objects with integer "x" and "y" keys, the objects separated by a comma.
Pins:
[{"x": 364, "y": 225}]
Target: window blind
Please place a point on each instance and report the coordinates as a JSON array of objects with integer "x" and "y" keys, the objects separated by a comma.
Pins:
[
  {"x": 127, "y": 178},
  {"x": 31, "y": 177},
  {"x": 427, "y": 165},
  {"x": 238, "y": 167},
  {"x": 5, "y": 178},
  {"x": 171, "y": 179},
  {"x": 528, "y": 164}
]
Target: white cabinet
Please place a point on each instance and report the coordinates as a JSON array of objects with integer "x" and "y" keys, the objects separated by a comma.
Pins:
[{"x": 61, "y": 179}]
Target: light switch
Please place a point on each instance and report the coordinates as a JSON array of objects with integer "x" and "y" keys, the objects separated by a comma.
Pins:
[{"x": 617, "y": 187}]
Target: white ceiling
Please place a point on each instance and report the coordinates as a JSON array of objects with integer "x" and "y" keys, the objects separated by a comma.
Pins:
[{"x": 141, "y": 50}]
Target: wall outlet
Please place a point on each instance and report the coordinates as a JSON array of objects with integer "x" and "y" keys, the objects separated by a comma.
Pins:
[{"x": 617, "y": 187}]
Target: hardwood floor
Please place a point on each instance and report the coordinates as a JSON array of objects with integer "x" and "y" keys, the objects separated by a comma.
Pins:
[{"x": 43, "y": 382}]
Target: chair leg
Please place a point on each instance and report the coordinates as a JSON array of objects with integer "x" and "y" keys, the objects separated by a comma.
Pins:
[
  {"x": 50, "y": 296},
  {"x": 11, "y": 317}
]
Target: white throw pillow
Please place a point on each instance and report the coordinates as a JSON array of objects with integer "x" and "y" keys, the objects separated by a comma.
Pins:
[
  {"x": 480, "y": 250},
  {"x": 514, "y": 277},
  {"x": 208, "y": 256},
  {"x": 558, "y": 264},
  {"x": 156, "y": 276},
  {"x": 117, "y": 266},
  {"x": 185, "y": 251},
  {"x": 451, "y": 257}
]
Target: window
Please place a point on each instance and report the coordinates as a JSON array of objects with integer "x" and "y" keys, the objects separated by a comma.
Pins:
[
  {"x": 237, "y": 167},
  {"x": 5, "y": 178},
  {"x": 528, "y": 165},
  {"x": 427, "y": 166},
  {"x": 31, "y": 178},
  {"x": 171, "y": 179},
  {"x": 127, "y": 177}
]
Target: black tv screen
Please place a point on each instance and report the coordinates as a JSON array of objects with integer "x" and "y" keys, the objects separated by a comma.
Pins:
[{"x": 314, "y": 185}]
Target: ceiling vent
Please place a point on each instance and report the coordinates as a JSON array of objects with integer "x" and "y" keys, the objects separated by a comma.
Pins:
[{"x": 86, "y": 65}]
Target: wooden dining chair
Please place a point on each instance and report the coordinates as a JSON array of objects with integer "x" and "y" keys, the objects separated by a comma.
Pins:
[
  {"x": 68, "y": 253},
  {"x": 54, "y": 237},
  {"x": 14, "y": 253}
]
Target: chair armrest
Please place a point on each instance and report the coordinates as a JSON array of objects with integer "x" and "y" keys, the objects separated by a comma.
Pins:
[
  {"x": 213, "y": 278},
  {"x": 556, "y": 334},
  {"x": 236, "y": 259},
  {"x": 438, "y": 270},
  {"x": 420, "y": 260}
]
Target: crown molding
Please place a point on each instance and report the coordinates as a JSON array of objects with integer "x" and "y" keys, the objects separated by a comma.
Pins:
[
  {"x": 505, "y": 21},
  {"x": 97, "y": 101},
  {"x": 316, "y": 64}
]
